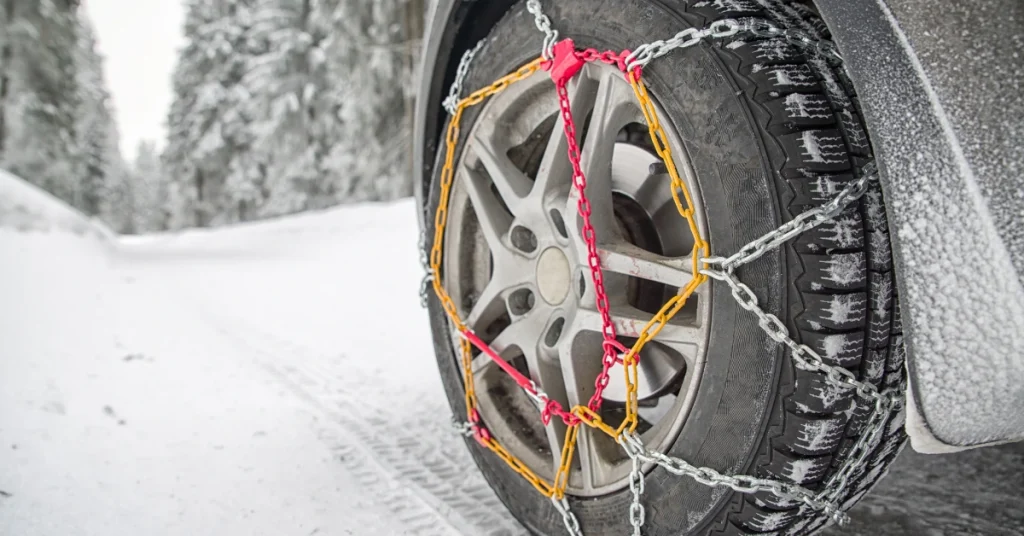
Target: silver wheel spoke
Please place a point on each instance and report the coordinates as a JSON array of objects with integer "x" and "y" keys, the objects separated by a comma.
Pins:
[
  {"x": 488, "y": 306},
  {"x": 555, "y": 171},
  {"x": 625, "y": 258},
  {"x": 611, "y": 112},
  {"x": 630, "y": 321},
  {"x": 672, "y": 350},
  {"x": 513, "y": 185},
  {"x": 545, "y": 371},
  {"x": 579, "y": 382},
  {"x": 494, "y": 220},
  {"x": 510, "y": 272}
]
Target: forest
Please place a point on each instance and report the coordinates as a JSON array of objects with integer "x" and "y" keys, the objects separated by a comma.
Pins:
[{"x": 279, "y": 106}]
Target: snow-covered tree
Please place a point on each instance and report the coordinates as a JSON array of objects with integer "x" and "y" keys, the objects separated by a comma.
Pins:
[
  {"x": 289, "y": 105},
  {"x": 102, "y": 184},
  {"x": 38, "y": 93},
  {"x": 57, "y": 126},
  {"x": 208, "y": 131},
  {"x": 150, "y": 189}
]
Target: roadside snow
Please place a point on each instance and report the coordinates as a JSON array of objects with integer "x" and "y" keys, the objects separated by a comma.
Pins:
[
  {"x": 24, "y": 207},
  {"x": 265, "y": 379}
]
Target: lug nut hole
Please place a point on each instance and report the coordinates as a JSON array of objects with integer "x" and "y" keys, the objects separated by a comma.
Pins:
[
  {"x": 556, "y": 219},
  {"x": 523, "y": 239},
  {"x": 521, "y": 302},
  {"x": 554, "y": 332}
]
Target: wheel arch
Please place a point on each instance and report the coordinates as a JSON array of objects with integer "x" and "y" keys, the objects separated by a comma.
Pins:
[{"x": 453, "y": 26}]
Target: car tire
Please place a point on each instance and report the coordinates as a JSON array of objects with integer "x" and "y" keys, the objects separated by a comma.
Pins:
[{"x": 770, "y": 133}]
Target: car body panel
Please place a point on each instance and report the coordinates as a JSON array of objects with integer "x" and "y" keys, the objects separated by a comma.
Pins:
[{"x": 941, "y": 88}]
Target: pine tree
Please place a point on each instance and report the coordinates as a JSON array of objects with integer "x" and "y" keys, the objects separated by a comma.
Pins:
[
  {"x": 149, "y": 189},
  {"x": 208, "y": 132},
  {"x": 288, "y": 82},
  {"x": 97, "y": 151},
  {"x": 289, "y": 105},
  {"x": 369, "y": 48},
  {"x": 39, "y": 97}
]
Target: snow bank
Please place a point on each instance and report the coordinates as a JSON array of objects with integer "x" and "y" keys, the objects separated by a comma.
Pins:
[{"x": 24, "y": 207}]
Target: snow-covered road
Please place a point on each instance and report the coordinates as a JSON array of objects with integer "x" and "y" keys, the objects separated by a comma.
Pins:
[{"x": 278, "y": 379}]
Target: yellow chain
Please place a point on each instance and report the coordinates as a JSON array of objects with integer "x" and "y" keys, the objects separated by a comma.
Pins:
[
  {"x": 568, "y": 448},
  {"x": 700, "y": 249},
  {"x": 586, "y": 416},
  {"x": 436, "y": 257}
]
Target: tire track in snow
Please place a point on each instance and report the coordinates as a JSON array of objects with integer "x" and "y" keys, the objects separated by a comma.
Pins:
[{"x": 418, "y": 468}]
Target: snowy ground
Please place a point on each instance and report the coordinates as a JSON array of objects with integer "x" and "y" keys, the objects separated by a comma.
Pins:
[{"x": 277, "y": 379}]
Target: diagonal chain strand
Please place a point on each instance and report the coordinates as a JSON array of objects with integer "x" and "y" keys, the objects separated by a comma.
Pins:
[
  {"x": 722, "y": 269},
  {"x": 543, "y": 24},
  {"x": 452, "y": 101},
  {"x": 572, "y": 525}
]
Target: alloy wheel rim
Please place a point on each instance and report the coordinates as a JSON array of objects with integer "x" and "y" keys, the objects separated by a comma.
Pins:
[{"x": 516, "y": 267}]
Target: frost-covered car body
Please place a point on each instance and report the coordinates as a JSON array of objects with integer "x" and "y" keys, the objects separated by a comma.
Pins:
[{"x": 941, "y": 85}]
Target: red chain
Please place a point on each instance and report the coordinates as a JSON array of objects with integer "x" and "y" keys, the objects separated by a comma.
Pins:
[
  {"x": 551, "y": 407},
  {"x": 565, "y": 63}
]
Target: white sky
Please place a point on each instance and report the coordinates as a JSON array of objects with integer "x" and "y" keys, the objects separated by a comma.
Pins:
[{"x": 139, "y": 40}]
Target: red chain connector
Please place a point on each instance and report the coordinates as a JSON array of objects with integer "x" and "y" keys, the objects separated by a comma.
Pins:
[
  {"x": 565, "y": 61},
  {"x": 482, "y": 435}
]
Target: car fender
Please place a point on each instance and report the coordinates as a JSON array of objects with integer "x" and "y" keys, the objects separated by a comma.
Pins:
[{"x": 940, "y": 87}]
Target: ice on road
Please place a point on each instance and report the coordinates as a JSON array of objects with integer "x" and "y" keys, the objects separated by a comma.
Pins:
[{"x": 278, "y": 379}]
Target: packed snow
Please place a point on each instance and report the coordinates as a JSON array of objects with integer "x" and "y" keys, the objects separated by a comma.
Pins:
[
  {"x": 278, "y": 378},
  {"x": 268, "y": 379}
]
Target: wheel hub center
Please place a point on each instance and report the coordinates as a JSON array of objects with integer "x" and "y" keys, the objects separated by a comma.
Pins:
[{"x": 553, "y": 275}]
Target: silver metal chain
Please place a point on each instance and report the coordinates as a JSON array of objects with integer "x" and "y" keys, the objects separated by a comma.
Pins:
[
  {"x": 837, "y": 484},
  {"x": 799, "y": 224},
  {"x": 572, "y": 525},
  {"x": 544, "y": 25},
  {"x": 710, "y": 477},
  {"x": 689, "y": 37},
  {"x": 635, "y": 450},
  {"x": 804, "y": 356},
  {"x": 766, "y": 29},
  {"x": 721, "y": 29},
  {"x": 428, "y": 276},
  {"x": 462, "y": 428},
  {"x": 828, "y": 499},
  {"x": 452, "y": 101}
]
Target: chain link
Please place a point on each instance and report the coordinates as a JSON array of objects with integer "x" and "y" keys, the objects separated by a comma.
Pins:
[
  {"x": 710, "y": 477},
  {"x": 611, "y": 346},
  {"x": 631, "y": 444},
  {"x": 428, "y": 276},
  {"x": 766, "y": 29},
  {"x": 544, "y": 25},
  {"x": 865, "y": 445},
  {"x": 572, "y": 525},
  {"x": 452, "y": 101},
  {"x": 462, "y": 428},
  {"x": 798, "y": 225}
]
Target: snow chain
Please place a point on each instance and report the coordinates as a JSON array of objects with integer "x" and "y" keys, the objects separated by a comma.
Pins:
[{"x": 563, "y": 61}]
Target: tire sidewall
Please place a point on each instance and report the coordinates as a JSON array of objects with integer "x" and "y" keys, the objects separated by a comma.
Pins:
[{"x": 733, "y": 168}]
